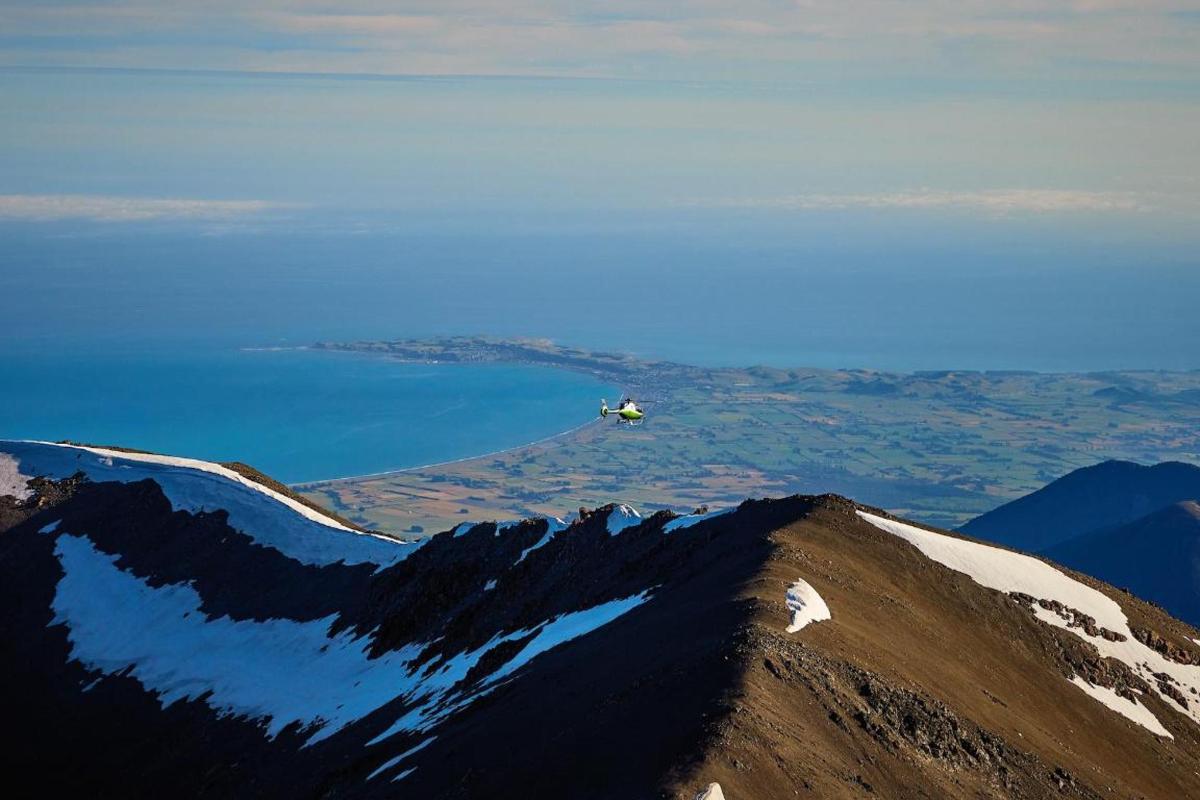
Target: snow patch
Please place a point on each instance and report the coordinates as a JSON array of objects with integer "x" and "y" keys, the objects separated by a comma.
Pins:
[
  {"x": 391, "y": 762},
  {"x": 1007, "y": 571},
  {"x": 487, "y": 587},
  {"x": 269, "y": 518},
  {"x": 806, "y": 605},
  {"x": 463, "y": 527},
  {"x": 404, "y": 774},
  {"x": 439, "y": 703},
  {"x": 12, "y": 481},
  {"x": 1126, "y": 708},
  {"x": 51, "y": 528},
  {"x": 622, "y": 517},
  {"x": 711, "y": 792},
  {"x": 688, "y": 520},
  {"x": 279, "y": 671},
  {"x": 553, "y": 526}
]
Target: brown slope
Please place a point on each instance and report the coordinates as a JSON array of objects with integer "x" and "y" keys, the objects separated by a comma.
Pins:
[{"x": 923, "y": 684}]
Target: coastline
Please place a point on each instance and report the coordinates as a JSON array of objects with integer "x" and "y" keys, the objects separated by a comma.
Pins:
[
  {"x": 303, "y": 485},
  {"x": 937, "y": 446}
]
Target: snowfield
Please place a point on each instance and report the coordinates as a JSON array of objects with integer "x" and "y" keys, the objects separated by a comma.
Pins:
[
  {"x": 688, "y": 520},
  {"x": 711, "y": 792},
  {"x": 278, "y": 671},
  {"x": 391, "y": 762},
  {"x": 12, "y": 482},
  {"x": 440, "y": 702},
  {"x": 1007, "y": 571},
  {"x": 622, "y": 517},
  {"x": 266, "y": 516},
  {"x": 806, "y": 605},
  {"x": 1126, "y": 708},
  {"x": 554, "y": 526}
]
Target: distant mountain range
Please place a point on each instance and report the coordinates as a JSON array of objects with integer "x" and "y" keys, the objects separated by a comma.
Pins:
[
  {"x": 1109, "y": 494},
  {"x": 170, "y": 627},
  {"x": 1156, "y": 557},
  {"x": 1134, "y": 526}
]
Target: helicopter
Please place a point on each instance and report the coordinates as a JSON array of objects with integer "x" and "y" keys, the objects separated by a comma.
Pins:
[{"x": 627, "y": 412}]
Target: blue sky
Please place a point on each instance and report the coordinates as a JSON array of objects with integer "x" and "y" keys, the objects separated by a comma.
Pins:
[{"x": 124, "y": 112}]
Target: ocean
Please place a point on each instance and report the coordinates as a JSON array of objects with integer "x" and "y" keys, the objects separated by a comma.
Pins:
[
  {"x": 298, "y": 416},
  {"x": 139, "y": 335}
]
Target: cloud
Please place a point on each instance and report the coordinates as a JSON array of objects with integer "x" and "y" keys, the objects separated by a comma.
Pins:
[
  {"x": 102, "y": 208},
  {"x": 618, "y": 38},
  {"x": 996, "y": 202}
]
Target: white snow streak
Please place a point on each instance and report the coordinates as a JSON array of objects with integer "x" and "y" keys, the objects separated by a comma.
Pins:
[
  {"x": 806, "y": 605},
  {"x": 553, "y": 526},
  {"x": 1126, "y": 708},
  {"x": 268, "y": 517},
  {"x": 279, "y": 671},
  {"x": 711, "y": 792},
  {"x": 688, "y": 520},
  {"x": 215, "y": 469},
  {"x": 622, "y": 517},
  {"x": 549, "y": 634},
  {"x": 12, "y": 482},
  {"x": 391, "y": 762},
  {"x": 506, "y": 526},
  {"x": 1006, "y": 571}
]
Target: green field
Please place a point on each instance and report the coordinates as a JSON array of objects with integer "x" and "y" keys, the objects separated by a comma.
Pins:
[{"x": 938, "y": 447}]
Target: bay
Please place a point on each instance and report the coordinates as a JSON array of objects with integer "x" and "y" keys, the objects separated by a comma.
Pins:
[{"x": 296, "y": 415}]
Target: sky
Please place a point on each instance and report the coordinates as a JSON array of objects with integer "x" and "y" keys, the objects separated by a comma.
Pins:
[
  {"x": 882, "y": 183},
  {"x": 563, "y": 112}
]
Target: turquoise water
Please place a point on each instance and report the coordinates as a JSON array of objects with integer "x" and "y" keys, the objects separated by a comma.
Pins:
[{"x": 298, "y": 416}]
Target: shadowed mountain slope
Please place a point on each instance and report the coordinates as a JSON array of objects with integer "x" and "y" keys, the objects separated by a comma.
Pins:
[
  {"x": 166, "y": 630},
  {"x": 1156, "y": 557},
  {"x": 1107, "y": 494}
]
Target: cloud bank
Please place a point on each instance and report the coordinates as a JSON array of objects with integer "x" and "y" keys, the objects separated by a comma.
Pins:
[
  {"x": 102, "y": 208},
  {"x": 1004, "y": 201},
  {"x": 758, "y": 39}
]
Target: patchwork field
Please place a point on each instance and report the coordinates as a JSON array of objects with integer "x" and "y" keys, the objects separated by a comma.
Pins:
[{"x": 939, "y": 447}]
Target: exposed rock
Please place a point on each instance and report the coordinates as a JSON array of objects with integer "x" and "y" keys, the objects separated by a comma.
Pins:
[
  {"x": 547, "y": 663},
  {"x": 1155, "y": 641}
]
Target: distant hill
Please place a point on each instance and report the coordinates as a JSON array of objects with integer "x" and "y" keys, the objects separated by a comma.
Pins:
[
  {"x": 1109, "y": 494},
  {"x": 1157, "y": 557}
]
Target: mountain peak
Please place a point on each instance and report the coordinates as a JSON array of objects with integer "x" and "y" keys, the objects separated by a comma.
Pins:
[
  {"x": 803, "y": 645},
  {"x": 1106, "y": 494}
]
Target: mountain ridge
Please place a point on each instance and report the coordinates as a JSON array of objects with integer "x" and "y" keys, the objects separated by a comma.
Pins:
[{"x": 617, "y": 657}]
